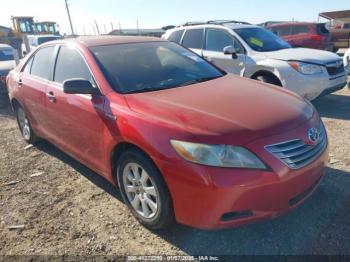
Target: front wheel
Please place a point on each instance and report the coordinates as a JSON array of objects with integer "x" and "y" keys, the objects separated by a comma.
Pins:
[
  {"x": 25, "y": 127},
  {"x": 268, "y": 79},
  {"x": 144, "y": 190}
]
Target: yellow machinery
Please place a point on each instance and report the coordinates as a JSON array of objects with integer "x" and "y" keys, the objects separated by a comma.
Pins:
[
  {"x": 47, "y": 27},
  {"x": 23, "y": 25}
]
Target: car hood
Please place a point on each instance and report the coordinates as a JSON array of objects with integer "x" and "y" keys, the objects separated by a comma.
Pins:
[
  {"x": 232, "y": 109},
  {"x": 303, "y": 55},
  {"x": 7, "y": 65}
]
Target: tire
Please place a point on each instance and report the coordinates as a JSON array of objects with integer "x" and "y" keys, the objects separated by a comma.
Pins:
[
  {"x": 268, "y": 79},
  {"x": 25, "y": 127},
  {"x": 148, "y": 198}
]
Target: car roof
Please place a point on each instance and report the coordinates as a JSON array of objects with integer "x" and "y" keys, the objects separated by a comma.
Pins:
[
  {"x": 2, "y": 46},
  {"x": 227, "y": 25},
  {"x": 293, "y": 23},
  {"x": 91, "y": 41}
]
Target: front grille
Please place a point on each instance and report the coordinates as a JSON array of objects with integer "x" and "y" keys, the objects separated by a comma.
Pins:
[
  {"x": 336, "y": 68},
  {"x": 296, "y": 153}
]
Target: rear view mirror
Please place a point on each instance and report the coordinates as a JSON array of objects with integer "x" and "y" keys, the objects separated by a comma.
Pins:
[
  {"x": 79, "y": 86},
  {"x": 230, "y": 50}
]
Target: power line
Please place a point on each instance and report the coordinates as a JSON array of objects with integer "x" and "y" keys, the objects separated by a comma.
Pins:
[{"x": 70, "y": 20}]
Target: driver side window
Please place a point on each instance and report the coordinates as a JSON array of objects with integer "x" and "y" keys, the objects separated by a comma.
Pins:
[{"x": 217, "y": 40}]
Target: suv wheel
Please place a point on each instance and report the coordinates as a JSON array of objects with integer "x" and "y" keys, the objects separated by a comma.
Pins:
[
  {"x": 268, "y": 79},
  {"x": 144, "y": 191}
]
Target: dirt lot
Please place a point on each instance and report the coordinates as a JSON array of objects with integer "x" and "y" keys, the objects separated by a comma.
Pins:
[{"x": 67, "y": 209}]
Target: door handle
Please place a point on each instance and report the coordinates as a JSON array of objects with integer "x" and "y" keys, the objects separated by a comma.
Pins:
[
  {"x": 51, "y": 97},
  {"x": 19, "y": 83}
]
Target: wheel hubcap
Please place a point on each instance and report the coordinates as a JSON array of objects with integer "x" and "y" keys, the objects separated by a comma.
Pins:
[
  {"x": 140, "y": 190},
  {"x": 23, "y": 124}
]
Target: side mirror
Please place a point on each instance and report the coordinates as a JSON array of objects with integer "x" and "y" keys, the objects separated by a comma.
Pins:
[
  {"x": 230, "y": 50},
  {"x": 79, "y": 86}
]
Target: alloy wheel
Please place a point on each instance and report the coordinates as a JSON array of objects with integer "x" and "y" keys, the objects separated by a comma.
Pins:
[
  {"x": 23, "y": 124},
  {"x": 140, "y": 190}
]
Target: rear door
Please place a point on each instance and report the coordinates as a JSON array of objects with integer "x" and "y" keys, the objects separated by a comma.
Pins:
[
  {"x": 74, "y": 121},
  {"x": 32, "y": 83},
  {"x": 193, "y": 39},
  {"x": 215, "y": 42}
]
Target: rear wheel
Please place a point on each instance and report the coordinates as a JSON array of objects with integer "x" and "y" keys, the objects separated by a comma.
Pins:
[
  {"x": 25, "y": 126},
  {"x": 144, "y": 191}
]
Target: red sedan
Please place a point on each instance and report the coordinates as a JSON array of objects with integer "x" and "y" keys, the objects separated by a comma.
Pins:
[{"x": 182, "y": 139}]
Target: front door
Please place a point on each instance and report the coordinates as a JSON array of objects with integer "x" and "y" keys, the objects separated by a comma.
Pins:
[{"x": 215, "y": 42}]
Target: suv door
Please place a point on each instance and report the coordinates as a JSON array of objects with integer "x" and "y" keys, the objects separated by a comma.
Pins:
[
  {"x": 74, "y": 121},
  {"x": 193, "y": 39},
  {"x": 215, "y": 42},
  {"x": 33, "y": 81}
]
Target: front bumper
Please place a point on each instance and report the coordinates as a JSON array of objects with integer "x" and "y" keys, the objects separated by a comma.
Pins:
[
  {"x": 311, "y": 87},
  {"x": 214, "y": 198}
]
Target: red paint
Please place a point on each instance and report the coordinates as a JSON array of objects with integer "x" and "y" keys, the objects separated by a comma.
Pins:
[
  {"x": 311, "y": 39},
  {"x": 230, "y": 110}
]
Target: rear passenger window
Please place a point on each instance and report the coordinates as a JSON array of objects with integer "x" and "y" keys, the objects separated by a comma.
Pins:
[
  {"x": 299, "y": 29},
  {"x": 176, "y": 36},
  {"x": 70, "y": 64},
  {"x": 193, "y": 39},
  {"x": 28, "y": 66},
  {"x": 42, "y": 62}
]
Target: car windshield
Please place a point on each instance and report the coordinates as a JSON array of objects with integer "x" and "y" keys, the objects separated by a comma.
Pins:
[
  {"x": 150, "y": 66},
  {"x": 262, "y": 40},
  {"x": 6, "y": 55}
]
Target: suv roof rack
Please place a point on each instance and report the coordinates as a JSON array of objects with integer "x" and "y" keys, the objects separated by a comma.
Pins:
[
  {"x": 214, "y": 22},
  {"x": 220, "y": 22}
]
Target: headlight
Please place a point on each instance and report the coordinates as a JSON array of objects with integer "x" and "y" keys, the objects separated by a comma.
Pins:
[
  {"x": 306, "y": 69},
  {"x": 217, "y": 155}
]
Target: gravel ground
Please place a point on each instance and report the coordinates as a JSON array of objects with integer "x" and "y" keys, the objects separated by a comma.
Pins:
[{"x": 63, "y": 207}]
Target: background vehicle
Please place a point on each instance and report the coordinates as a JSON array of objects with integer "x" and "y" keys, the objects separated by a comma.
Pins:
[
  {"x": 36, "y": 40},
  {"x": 338, "y": 24},
  {"x": 128, "y": 110},
  {"x": 299, "y": 34},
  {"x": 47, "y": 28},
  {"x": 257, "y": 53},
  {"x": 347, "y": 61},
  {"x": 7, "y": 63},
  {"x": 22, "y": 26}
]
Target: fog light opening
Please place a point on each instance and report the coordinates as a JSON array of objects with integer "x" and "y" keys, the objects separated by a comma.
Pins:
[{"x": 236, "y": 215}]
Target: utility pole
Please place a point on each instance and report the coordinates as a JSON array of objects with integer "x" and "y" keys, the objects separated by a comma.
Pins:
[{"x": 70, "y": 20}]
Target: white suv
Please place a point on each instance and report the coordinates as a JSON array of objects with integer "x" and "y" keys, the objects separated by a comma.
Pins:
[{"x": 254, "y": 52}]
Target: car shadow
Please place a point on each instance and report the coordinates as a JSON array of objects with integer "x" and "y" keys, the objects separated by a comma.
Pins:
[
  {"x": 319, "y": 226},
  {"x": 5, "y": 108},
  {"x": 334, "y": 106},
  {"x": 96, "y": 179}
]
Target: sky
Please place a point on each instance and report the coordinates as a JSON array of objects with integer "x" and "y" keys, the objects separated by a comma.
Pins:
[{"x": 159, "y": 13}]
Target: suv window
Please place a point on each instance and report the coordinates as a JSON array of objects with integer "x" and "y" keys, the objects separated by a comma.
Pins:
[
  {"x": 193, "y": 39},
  {"x": 300, "y": 29},
  {"x": 176, "y": 36},
  {"x": 282, "y": 30},
  {"x": 70, "y": 64},
  {"x": 42, "y": 62},
  {"x": 217, "y": 40}
]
